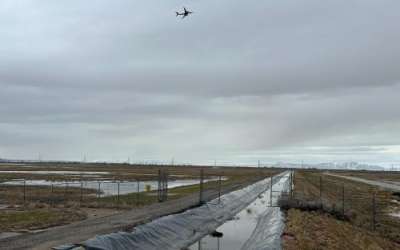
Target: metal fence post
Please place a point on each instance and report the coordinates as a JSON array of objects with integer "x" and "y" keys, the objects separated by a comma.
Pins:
[
  {"x": 201, "y": 186},
  {"x": 159, "y": 186},
  {"x": 219, "y": 188},
  {"x": 138, "y": 192},
  {"x": 24, "y": 192},
  {"x": 81, "y": 198},
  {"x": 65, "y": 193},
  {"x": 373, "y": 212},
  {"x": 118, "y": 183},
  {"x": 270, "y": 192},
  {"x": 98, "y": 190},
  {"x": 162, "y": 185},
  {"x": 343, "y": 201},
  {"x": 320, "y": 190},
  {"x": 52, "y": 195},
  {"x": 166, "y": 184},
  {"x": 291, "y": 184}
]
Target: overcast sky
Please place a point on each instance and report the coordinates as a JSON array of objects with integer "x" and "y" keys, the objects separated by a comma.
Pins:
[{"x": 238, "y": 81}]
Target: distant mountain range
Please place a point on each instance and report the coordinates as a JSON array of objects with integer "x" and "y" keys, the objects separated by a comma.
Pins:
[
  {"x": 333, "y": 165},
  {"x": 328, "y": 165}
]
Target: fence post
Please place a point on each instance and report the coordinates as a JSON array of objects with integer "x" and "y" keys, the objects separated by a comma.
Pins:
[
  {"x": 137, "y": 193},
  {"x": 118, "y": 194},
  {"x": 159, "y": 186},
  {"x": 166, "y": 184},
  {"x": 343, "y": 201},
  {"x": 81, "y": 198},
  {"x": 320, "y": 189},
  {"x": 162, "y": 185},
  {"x": 65, "y": 193},
  {"x": 294, "y": 177},
  {"x": 24, "y": 192},
  {"x": 270, "y": 192},
  {"x": 98, "y": 189},
  {"x": 291, "y": 184},
  {"x": 219, "y": 188},
  {"x": 201, "y": 186},
  {"x": 52, "y": 195},
  {"x": 373, "y": 212}
]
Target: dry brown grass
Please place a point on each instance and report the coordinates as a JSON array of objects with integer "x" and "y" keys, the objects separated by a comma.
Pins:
[
  {"x": 316, "y": 230},
  {"x": 35, "y": 218},
  {"x": 358, "y": 209}
]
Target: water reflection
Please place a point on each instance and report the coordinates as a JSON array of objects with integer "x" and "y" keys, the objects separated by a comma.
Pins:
[
  {"x": 209, "y": 245},
  {"x": 108, "y": 188},
  {"x": 238, "y": 230}
]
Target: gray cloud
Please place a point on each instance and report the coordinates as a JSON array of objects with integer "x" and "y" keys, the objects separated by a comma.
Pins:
[{"x": 122, "y": 78}]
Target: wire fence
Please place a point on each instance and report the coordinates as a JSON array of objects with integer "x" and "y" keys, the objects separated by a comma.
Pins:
[
  {"x": 360, "y": 204},
  {"x": 27, "y": 193}
]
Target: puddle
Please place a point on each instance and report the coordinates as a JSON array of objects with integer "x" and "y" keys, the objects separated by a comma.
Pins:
[
  {"x": 40, "y": 172},
  {"x": 238, "y": 230},
  {"x": 109, "y": 188},
  {"x": 397, "y": 215},
  {"x": 11, "y": 164},
  {"x": 393, "y": 182}
]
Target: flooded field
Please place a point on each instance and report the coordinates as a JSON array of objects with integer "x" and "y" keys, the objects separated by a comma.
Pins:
[
  {"x": 68, "y": 173},
  {"x": 108, "y": 188}
]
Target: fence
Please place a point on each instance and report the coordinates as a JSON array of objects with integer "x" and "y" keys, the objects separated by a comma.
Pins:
[
  {"x": 115, "y": 193},
  {"x": 282, "y": 193},
  {"x": 360, "y": 204}
]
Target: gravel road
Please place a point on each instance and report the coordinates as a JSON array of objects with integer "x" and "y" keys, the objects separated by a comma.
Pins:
[
  {"x": 384, "y": 185},
  {"x": 83, "y": 230}
]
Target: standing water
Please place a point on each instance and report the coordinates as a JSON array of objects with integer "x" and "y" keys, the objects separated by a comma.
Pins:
[
  {"x": 234, "y": 233},
  {"x": 109, "y": 188}
]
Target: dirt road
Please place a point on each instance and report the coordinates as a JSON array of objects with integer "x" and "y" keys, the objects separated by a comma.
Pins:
[
  {"x": 83, "y": 230},
  {"x": 384, "y": 185}
]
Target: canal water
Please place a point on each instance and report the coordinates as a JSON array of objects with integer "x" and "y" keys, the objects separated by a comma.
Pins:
[
  {"x": 234, "y": 233},
  {"x": 244, "y": 219}
]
